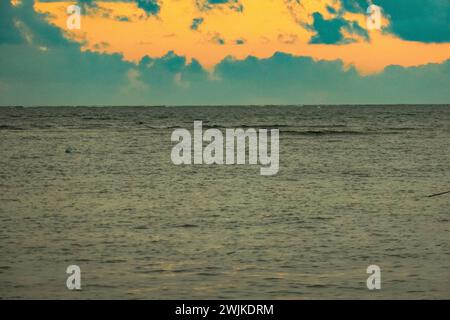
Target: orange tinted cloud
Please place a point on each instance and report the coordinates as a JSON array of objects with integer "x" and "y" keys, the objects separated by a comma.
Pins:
[{"x": 261, "y": 29}]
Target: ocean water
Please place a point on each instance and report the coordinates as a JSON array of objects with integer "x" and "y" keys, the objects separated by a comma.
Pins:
[{"x": 351, "y": 192}]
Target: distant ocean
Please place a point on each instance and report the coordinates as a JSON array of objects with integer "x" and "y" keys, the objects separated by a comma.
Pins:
[{"x": 96, "y": 187}]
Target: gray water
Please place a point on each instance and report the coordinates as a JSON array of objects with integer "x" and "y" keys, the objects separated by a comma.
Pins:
[{"x": 351, "y": 192}]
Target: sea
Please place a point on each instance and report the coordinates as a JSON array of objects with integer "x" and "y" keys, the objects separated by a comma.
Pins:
[{"x": 95, "y": 187}]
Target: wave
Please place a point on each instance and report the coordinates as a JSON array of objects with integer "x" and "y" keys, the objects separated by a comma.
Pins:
[
  {"x": 223, "y": 127},
  {"x": 323, "y": 132},
  {"x": 8, "y": 127}
]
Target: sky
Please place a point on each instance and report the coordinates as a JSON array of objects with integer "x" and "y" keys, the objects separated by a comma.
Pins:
[{"x": 219, "y": 52}]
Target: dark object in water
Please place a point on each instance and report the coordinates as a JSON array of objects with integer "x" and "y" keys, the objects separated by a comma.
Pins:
[
  {"x": 438, "y": 194},
  {"x": 70, "y": 150}
]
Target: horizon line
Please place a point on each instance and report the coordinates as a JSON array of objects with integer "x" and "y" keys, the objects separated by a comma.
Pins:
[{"x": 227, "y": 105}]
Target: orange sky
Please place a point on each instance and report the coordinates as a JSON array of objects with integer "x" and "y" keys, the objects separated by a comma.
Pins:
[{"x": 265, "y": 26}]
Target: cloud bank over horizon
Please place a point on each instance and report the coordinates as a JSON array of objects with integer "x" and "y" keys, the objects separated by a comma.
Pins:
[{"x": 322, "y": 55}]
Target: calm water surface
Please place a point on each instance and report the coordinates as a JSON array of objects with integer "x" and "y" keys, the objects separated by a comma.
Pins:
[{"x": 351, "y": 192}]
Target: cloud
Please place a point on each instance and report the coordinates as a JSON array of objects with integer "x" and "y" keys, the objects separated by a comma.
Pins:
[
  {"x": 417, "y": 20},
  {"x": 413, "y": 20},
  {"x": 8, "y": 32},
  {"x": 49, "y": 69},
  {"x": 149, "y": 6},
  {"x": 63, "y": 74},
  {"x": 328, "y": 31},
  {"x": 303, "y": 80},
  {"x": 210, "y": 31},
  {"x": 196, "y": 22},
  {"x": 69, "y": 78},
  {"x": 31, "y": 25}
]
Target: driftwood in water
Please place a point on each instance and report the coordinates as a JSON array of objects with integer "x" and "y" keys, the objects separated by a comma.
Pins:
[{"x": 438, "y": 194}]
